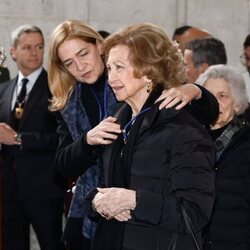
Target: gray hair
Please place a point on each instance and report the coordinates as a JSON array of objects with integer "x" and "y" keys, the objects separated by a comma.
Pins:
[
  {"x": 234, "y": 79},
  {"x": 26, "y": 28},
  {"x": 207, "y": 50}
]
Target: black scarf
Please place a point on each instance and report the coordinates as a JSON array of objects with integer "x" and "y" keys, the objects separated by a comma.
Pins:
[
  {"x": 122, "y": 156},
  {"x": 225, "y": 138}
]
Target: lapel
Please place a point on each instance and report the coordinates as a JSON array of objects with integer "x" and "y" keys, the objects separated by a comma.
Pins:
[
  {"x": 5, "y": 101},
  {"x": 38, "y": 90},
  {"x": 149, "y": 118},
  {"x": 152, "y": 114}
]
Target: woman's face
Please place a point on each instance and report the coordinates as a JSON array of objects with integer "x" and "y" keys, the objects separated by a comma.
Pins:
[
  {"x": 222, "y": 91},
  {"x": 82, "y": 60},
  {"x": 121, "y": 78}
]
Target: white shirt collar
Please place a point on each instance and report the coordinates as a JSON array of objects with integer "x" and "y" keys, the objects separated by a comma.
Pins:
[{"x": 31, "y": 77}]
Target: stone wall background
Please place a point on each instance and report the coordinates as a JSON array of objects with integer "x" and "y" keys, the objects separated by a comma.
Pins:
[{"x": 228, "y": 20}]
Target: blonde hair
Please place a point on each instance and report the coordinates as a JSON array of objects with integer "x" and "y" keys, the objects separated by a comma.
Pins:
[
  {"x": 61, "y": 82},
  {"x": 151, "y": 53}
]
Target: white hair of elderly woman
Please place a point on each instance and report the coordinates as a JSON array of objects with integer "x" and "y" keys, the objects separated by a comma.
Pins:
[{"x": 234, "y": 79}]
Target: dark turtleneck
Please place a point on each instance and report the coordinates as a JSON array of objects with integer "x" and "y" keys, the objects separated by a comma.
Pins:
[{"x": 89, "y": 101}]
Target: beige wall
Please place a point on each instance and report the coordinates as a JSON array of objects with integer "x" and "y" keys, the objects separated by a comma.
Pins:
[{"x": 228, "y": 20}]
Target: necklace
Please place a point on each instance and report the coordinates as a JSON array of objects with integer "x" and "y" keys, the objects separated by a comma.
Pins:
[
  {"x": 19, "y": 107},
  {"x": 125, "y": 130},
  {"x": 19, "y": 110}
]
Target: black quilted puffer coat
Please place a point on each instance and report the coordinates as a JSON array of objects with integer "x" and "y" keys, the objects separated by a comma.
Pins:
[{"x": 168, "y": 159}]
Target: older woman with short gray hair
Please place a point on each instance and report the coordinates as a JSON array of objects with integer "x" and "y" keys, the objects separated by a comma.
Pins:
[
  {"x": 234, "y": 79},
  {"x": 229, "y": 227}
]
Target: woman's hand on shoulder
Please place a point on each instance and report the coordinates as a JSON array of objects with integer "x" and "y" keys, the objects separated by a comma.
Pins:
[
  {"x": 104, "y": 133},
  {"x": 179, "y": 96}
]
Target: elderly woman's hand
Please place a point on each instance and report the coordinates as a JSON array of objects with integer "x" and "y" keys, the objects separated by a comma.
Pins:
[
  {"x": 123, "y": 216},
  {"x": 104, "y": 133},
  {"x": 114, "y": 202},
  {"x": 182, "y": 94}
]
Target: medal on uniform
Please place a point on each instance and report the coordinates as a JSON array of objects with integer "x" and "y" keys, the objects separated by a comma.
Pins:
[
  {"x": 19, "y": 111},
  {"x": 21, "y": 97}
]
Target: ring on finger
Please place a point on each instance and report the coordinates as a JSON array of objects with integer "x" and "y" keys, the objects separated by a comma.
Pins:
[
  {"x": 104, "y": 214},
  {"x": 108, "y": 217}
]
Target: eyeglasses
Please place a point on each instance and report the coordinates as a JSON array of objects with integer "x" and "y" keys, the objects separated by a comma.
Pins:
[{"x": 244, "y": 59}]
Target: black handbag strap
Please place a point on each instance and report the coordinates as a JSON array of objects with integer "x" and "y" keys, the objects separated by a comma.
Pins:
[{"x": 190, "y": 227}]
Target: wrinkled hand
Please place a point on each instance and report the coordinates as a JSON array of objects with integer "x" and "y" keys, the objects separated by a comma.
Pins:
[
  {"x": 114, "y": 203},
  {"x": 6, "y": 134},
  {"x": 182, "y": 94},
  {"x": 123, "y": 216},
  {"x": 104, "y": 133}
]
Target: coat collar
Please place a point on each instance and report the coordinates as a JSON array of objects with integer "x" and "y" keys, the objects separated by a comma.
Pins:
[
  {"x": 123, "y": 113},
  {"x": 145, "y": 122}
]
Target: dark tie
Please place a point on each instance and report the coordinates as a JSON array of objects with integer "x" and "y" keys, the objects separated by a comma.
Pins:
[
  {"x": 22, "y": 94},
  {"x": 19, "y": 106}
]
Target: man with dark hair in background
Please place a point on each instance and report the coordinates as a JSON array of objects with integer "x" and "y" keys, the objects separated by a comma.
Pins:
[
  {"x": 179, "y": 32},
  {"x": 199, "y": 54},
  {"x": 104, "y": 33},
  {"x": 186, "y": 33}
]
